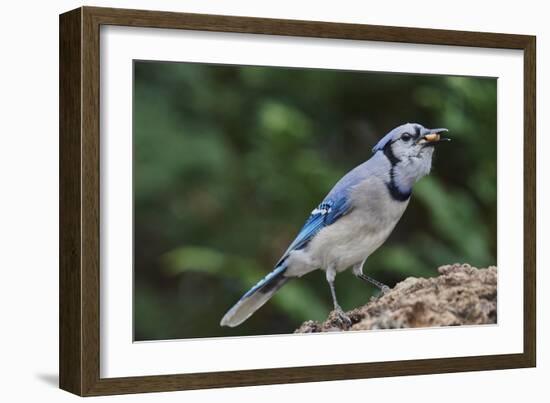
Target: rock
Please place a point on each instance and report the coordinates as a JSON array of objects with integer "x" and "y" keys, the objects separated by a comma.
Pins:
[{"x": 460, "y": 295}]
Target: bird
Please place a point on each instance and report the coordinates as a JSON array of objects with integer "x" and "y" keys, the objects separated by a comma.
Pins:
[{"x": 353, "y": 220}]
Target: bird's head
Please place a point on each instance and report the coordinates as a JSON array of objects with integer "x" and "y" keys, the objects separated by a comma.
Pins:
[
  {"x": 410, "y": 140},
  {"x": 409, "y": 148}
]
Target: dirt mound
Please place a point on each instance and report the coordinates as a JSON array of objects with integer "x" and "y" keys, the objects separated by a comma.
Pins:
[{"x": 460, "y": 295}]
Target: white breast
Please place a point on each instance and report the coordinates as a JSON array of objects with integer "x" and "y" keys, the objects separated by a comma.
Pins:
[{"x": 355, "y": 236}]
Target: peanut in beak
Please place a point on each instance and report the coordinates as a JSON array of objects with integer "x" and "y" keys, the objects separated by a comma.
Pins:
[{"x": 432, "y": 137}]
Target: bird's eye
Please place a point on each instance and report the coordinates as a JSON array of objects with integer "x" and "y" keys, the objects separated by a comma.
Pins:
[{"x": 406, "y": 137}]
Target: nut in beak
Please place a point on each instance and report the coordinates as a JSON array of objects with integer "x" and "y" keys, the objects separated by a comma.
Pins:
[{"x": 432, "y": 137}]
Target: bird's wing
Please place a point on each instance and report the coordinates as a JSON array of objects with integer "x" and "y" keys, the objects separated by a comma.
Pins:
[{"x": 326, "y": 213}]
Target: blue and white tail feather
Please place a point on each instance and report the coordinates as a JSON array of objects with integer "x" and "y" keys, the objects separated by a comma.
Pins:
[{"x": 255, "y": 297}]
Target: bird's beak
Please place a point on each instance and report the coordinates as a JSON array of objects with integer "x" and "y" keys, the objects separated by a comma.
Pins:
[{"x": 433, "y": 136}]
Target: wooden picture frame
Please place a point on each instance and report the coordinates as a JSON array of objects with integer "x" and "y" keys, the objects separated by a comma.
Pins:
[{"x": 80, "y": 199}]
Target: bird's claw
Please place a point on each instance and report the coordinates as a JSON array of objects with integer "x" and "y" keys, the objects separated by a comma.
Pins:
[
  {"x": 343, "y": 320},
  {"x": 385, "y": 289}
]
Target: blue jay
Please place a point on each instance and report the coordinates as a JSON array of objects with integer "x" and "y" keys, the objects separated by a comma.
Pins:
[{"x": 353, "y": 220}]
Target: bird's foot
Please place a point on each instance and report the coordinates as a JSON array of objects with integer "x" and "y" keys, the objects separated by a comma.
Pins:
[
  {"x": 340, "y": 319},
  {"x": 385, "y": 289}
]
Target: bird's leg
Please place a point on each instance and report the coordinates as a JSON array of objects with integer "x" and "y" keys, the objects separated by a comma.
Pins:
[
  {"x": 342, "y": 317},
  {"x": 383, "y": 287},
  {"x": 358, "y": 271}
]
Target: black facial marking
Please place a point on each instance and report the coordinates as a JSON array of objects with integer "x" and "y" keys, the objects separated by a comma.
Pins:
[
  {"x": 388, "y": 152},
  {"x": 394, "y": 190}
]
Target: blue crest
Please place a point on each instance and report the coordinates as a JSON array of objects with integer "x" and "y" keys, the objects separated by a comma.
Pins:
[{"x": 383, "y": 142}]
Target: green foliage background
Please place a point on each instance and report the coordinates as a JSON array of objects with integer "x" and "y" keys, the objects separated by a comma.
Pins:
[{"x": 229, "y": 161}]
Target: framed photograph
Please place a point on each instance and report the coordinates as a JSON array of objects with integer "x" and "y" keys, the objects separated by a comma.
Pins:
[{"x": 249, "y": 201}]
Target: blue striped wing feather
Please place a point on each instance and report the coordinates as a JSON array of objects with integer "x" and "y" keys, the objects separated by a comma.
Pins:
[{"x": 325, "y": 214}]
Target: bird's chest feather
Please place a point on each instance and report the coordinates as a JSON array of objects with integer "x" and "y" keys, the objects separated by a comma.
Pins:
[{"x": 355, "y": 236}]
